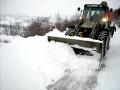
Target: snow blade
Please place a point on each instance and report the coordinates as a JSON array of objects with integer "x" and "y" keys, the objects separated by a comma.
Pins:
[{"x": 80, "y": 42}]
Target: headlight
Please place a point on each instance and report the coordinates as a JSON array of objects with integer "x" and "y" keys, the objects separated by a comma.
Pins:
[
  {"x": 104, "y": 19},
  {"x": 81, "y": 17}
]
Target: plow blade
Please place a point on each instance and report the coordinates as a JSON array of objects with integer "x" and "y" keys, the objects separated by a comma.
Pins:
[{"x": 80, "y": 42}]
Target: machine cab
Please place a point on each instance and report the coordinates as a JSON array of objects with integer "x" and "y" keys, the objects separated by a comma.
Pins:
[{"x": 94, "y": 12}]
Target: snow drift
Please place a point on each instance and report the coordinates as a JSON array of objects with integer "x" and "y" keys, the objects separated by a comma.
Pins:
[
  {"x": 33, "y": 63},
  {"x": 109, "y": 77}
]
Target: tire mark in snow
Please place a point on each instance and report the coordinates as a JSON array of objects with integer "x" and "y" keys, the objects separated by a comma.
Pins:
[{"x": 72, "y": 82}]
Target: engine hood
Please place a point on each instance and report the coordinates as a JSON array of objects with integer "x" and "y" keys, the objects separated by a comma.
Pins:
[{"x": 88, "y": 24}]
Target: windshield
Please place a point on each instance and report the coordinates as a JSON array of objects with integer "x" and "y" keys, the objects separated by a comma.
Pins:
[{"x": 93, "y": 13}]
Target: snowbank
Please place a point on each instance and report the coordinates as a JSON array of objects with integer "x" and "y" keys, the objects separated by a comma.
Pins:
[
  {"x": 5, "y": 39},
  {"x": 2, "y": 31},
  {"x": 57, "y": 33},
  {"x": 109, "y": 77},
  {"x": 33, "y": 63}
]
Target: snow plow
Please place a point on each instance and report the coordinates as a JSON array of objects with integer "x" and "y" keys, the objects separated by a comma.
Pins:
[
  {"x": 82, "y": 42},
  {"x": 92, "y": 31}
]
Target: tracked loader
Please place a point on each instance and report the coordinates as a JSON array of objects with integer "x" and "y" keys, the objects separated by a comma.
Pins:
[{"x": 92, "y": 31}]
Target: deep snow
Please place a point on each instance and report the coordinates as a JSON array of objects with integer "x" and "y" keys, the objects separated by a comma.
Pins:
[
  {"x": 35, "y": 64},
  {"x": 109, "y": 77}
]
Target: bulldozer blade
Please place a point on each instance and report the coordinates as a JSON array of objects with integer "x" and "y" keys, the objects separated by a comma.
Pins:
[{"x": 80, "y": 42}]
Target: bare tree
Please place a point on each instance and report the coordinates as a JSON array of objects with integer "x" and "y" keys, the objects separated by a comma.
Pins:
[
  {"x": 39, "y": 26},
  {"x": 61, "y": 23}
]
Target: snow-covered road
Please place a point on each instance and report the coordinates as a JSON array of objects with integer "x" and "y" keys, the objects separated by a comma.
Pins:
[
  {"x": 35, "y": 64},
  {"x": 109, "y": 77}
]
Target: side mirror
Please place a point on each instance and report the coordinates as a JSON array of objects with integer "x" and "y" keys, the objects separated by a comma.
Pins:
[
  {"x": 78, "y": 8},
  {"x": 111, "y": 10}
]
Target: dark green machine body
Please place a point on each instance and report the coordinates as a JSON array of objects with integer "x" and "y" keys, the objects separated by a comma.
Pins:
[{"x": 88, "y": 27}]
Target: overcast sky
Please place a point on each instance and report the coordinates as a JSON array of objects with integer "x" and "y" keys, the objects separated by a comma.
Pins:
[{"x": 46, "y": 7}]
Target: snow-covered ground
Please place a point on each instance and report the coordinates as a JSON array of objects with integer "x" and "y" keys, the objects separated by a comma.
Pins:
[
  {"x": 33, "y": 63},
  {"x": 109, "y": 77},
  {"x": 12, "y": 20}
]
